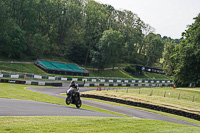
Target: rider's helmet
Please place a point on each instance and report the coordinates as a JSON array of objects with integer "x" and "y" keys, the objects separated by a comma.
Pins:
[{"x": 72, "y": 83}]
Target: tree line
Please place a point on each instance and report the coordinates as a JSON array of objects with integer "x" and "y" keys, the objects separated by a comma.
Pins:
[
  {"x": 83, "y": 31},
  {"x": 90, "y": 33},
  {"x": 183, "y": 60}
]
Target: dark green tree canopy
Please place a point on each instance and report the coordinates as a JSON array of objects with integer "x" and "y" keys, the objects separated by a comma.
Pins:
[
  {"x": 75, "y": 30},
  {"x": 184, "y": 59}
]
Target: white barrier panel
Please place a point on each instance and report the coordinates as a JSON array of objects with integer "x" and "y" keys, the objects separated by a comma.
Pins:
[
  {"x": 52, "y": 78},
  {"x": 14, "y": 76},
  {"x": 102, "y": 80},
  {"x": 152, "y": 81},
  {"x": 94, "y": 80},
  {"x": 163, "y": 81},
  {"x": 64, "y": 79},
  {"x": 140, "y": 81},
  {"x": 111, "y": 81},
  {"x": 168, "y": 81},
  {"x": 106, "y": 84},
  {"x": 147, "y": 85},
  {"x": 96, "y": 84},
  {"x": 119, "y": 81},
  {"x": 87, "y": 85},
  {"x": 123, "y": 84},
  {"x": 157, "y": 81},
  {"x": 153, "y": 85},
  {"x": 139, "y": 84},
  {"x": 75, "y": 79},
  {"x": 41, "y": 83},
  {"x": 84, "y": 79},
  {"x": 115, "y": 85},
  {"x": 146, "y": 81},
  {"x": 126, "y": 81},
  {"x": 132, "y": 84},
  {"x": 1, "y": 75},
  {"x": 133, "y": 81},
  {"x": 37, "y": 77},
  {"x": 28, "y": 82}
]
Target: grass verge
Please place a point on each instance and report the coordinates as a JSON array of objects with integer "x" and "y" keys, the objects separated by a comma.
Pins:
[{"x": 90, "y": 124}]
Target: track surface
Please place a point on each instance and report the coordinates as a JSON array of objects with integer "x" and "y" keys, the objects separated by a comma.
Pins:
[
  {"x": 13, "y": 107},
  {"x": 54, "y": 91}
]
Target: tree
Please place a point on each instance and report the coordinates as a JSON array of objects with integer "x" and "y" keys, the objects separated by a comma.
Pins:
[
  {"x": 154, "y": 48},
  {"x": 187, "y": 56},
  {"x": 168, "y": 60},
  {"x": 13, "y": 42},
  {"x": 39, "y": 46},
  {"x": 109, "y": 47}
]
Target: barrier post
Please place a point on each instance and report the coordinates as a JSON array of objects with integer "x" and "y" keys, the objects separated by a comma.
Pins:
[{"x": 99, "y": 88}]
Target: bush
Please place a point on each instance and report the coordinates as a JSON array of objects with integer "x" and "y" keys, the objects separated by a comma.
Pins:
[{"x": 130, "y": 69}]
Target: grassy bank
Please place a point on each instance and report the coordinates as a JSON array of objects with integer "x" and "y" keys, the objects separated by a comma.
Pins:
[
  {"x": 31, "y": 68},
  {"x": 16, "y": 67},
  {"x": 166, "y": 97},
  {"x": 108, "y": 73},
  {"x": 90, "y": 124}
]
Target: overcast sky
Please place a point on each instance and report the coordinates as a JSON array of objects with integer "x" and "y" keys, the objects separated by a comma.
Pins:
[{"x": 169, "y": 17}]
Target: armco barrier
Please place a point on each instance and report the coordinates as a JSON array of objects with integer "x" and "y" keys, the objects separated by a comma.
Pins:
[
  {"x": 12, "y": 81},
  {"x": 97, "y": 79},
  {"x": 144, "y": 105},
  {"x": 123, "y": 85},
  {"x": 30, "y": 82}
]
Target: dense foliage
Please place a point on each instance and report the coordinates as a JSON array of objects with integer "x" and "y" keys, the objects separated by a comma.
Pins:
[
  {"x": 183, "y": 60},
  {"x": 83, "y": 31}
]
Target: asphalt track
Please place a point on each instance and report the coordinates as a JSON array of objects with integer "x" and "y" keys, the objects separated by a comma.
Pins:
[
  {"x": 32, "y": 108},
  {"x": 14, "y": 107}
]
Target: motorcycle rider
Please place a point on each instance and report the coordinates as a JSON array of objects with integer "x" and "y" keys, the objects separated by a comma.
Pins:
[{"x": 74, "y": 87}]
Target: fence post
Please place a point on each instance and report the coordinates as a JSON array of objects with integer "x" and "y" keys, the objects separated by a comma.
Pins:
[
  {"x": 151, "y": 92},
  {"x": 164, "y": 93},
  {"x": 127, "y": 90},
  {"x": 193, "y": 99},
  {"x": 179, "y": 96}
]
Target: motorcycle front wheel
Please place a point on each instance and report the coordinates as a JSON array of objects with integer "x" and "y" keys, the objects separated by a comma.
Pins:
[
  {"x": 79, "y": 103},
  {"x": 68, "y": 100}
]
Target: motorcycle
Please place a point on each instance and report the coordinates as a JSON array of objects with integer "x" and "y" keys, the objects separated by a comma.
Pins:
[{"x": 73, "y": 96}]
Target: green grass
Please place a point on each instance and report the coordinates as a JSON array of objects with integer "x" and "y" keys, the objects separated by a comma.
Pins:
[
  {"x": 90, "y": 124},
  {"x": 16, "y": 91},
  {"x": 16, "y": 67},
  {"x": 170, "y": 100},
  {"x": 148, "y": 75},
  {"x": 108, "y": 73}
]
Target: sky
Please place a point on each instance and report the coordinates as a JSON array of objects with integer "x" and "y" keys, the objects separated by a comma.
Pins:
[{"x": 168, "y": 17}]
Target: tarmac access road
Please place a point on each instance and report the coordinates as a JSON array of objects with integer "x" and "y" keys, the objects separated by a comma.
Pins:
[{"x": 55, "y": 91}]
